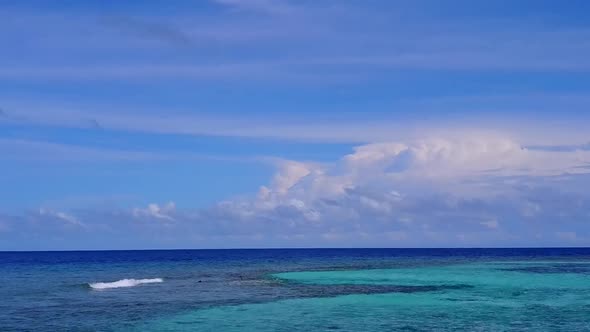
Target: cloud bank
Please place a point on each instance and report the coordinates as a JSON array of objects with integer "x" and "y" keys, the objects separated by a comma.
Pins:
[
  {"x": 468, "y": 190},
  {"x": 477, "y": 190}
]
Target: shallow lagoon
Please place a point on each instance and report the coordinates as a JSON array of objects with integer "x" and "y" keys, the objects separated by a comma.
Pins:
[{"x": 495, "y": 296}]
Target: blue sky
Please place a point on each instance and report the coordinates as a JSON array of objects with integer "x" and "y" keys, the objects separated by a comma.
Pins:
[{"x": 259, "y": 123}]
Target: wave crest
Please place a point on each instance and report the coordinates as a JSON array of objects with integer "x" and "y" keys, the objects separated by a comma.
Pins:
[{"x": 124, "y": 283}]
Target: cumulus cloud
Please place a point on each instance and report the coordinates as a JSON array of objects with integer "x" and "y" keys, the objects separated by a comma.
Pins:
[
  {"x": 464, "y": 157},
  {"x": 435, "y": 188},
  {"x": 155, "y": 211},
  {"x": 386, "y": 168}
]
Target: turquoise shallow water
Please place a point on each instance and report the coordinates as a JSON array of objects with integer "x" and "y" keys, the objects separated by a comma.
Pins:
[
  {"x": 297, "y": 290},
  {"x": 494, "y": 296}
]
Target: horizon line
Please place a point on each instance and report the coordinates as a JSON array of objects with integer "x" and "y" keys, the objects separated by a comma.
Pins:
[{"x": 292, "y": 248}]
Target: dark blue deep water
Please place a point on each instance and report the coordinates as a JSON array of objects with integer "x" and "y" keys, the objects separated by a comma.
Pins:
[{"x": 297, "y": 290}]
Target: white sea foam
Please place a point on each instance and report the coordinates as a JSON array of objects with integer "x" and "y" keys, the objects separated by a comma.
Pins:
[{"x": 123, "y": 283}]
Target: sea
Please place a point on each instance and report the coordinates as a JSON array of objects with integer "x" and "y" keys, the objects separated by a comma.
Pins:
[{"x": 541, "y": 289}]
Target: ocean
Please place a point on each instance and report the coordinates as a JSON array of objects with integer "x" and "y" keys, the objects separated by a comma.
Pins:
[{"x": 297, "y": 290}]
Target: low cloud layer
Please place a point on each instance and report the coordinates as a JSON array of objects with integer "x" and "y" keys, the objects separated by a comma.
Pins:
[{"x": 478, "y": 190}]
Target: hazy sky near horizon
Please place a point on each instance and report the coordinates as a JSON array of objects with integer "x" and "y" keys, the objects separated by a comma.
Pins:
[{"x": 261, "y": 123}]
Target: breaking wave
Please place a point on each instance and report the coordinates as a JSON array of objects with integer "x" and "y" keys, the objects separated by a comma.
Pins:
[{"x": 123, "y": 283}]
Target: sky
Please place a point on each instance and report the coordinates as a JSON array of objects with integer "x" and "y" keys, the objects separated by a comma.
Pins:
[{"x": 276, "y": 123}]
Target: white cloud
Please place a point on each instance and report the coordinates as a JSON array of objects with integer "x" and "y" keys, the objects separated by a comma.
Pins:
[
  {"x": 61, "y": 216},
  {"x": 164, "y": 213},
  {"x": 464, "y": 157},
  {"x": 435, "y": 188},
  {"x": 291, "y": 172},
  {"x": 472, "y": 162}
]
